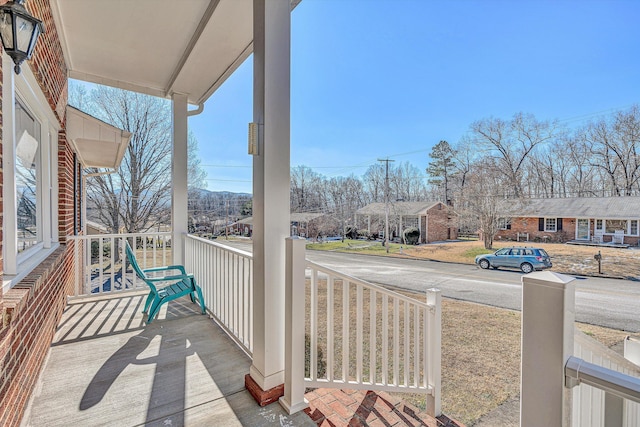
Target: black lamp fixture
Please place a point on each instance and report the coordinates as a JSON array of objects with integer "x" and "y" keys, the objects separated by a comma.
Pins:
[{"x": 19, "y": 31}]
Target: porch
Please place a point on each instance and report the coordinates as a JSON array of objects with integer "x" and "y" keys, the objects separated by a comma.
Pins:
[{"x": 179, "y": 370}]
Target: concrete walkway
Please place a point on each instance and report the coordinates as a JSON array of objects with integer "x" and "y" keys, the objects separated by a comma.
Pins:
[{"x": 106, "y": 367}]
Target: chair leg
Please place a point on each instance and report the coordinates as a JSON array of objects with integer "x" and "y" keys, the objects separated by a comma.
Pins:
[
  {"x": 201, "y": 299},
  {"x": 155, "y": 308},
  {"x": 147, "y": 303}
]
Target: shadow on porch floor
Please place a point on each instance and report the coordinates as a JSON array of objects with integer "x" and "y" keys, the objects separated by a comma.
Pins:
[{"x": 106, "y": 367}]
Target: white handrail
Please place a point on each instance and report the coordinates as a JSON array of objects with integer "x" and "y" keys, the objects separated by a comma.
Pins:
[{"x": 578, "y": 371}]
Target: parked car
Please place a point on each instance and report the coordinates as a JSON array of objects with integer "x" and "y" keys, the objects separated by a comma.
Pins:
[{"x": 526, "y": 259}]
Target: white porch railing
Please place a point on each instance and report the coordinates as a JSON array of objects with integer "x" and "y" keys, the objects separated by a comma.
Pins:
[
  {"x": 593, "y": 406},
  {"x": 225, "y": 275},
  {"x": 358, "y": 335},
  {"x": 568, "y": 380},
  {"x": 100, "y": 258}
]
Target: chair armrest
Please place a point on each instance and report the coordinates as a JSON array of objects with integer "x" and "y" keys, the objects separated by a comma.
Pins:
[
  {"x": 167, "y": 267},
  {"x": 169, "y": 278}
]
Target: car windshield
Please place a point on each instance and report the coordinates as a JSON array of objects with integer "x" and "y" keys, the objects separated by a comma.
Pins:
[
  {"x": 503, "y": 251},
  {"x": 544, "y": 253}
]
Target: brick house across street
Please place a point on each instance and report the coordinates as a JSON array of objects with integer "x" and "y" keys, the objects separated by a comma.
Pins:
[
  {"x": 435, "y": 220},
  {"x": 608, "y": 220}
]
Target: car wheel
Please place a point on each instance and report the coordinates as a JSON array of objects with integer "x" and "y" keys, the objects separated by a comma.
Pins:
[
  {"x": 526, "y": 267},
  {"x": 484, "y": 264}
]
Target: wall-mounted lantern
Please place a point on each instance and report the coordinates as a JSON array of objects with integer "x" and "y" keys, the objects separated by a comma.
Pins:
[{"x": 19, "y": 31}]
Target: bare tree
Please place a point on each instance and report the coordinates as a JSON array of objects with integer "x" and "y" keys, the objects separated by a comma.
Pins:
[
  {"x": 484, "y": 198},
  {"x": 306, "y": 190},
  {"x": 615, "y": 145},
  {"x": 137, "y": 196},
  {"x": 512, "y": 141}
]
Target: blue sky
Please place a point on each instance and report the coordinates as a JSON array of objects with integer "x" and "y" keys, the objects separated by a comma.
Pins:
[{"x": 391, "y": 78}]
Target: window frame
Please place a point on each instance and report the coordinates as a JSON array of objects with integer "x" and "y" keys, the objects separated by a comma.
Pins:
[
  {"x": 547, "y": 227},
  {"x": 25, "y": 89}
]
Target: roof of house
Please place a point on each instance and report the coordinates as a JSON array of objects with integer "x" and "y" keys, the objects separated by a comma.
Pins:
[
  {"x": 578, "y": 207},
  {"x": 397, "y": 208}
]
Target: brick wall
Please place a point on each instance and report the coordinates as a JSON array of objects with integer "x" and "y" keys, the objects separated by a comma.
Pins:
[
  {"x": 530, "y": 225},
  {"x": 440, "y": 223},
  {"x": 33, "y": 307}
]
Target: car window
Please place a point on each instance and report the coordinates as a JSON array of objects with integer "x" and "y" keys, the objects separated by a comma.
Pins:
[
  {"x": 528, "y": 251},
  {"x": 543, "y": 252},
  {"x": 503, "y": 251},
  {"x": 515, "y": 252}
]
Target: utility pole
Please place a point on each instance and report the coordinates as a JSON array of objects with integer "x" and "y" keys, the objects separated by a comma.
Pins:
[{"x": 386, "y": 202}]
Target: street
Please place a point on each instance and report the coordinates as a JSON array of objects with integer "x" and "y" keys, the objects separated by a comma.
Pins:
[{"x": 612, "y": 303}]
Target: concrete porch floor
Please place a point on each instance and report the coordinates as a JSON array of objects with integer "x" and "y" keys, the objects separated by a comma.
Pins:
[{"x": 107, "y": 367}]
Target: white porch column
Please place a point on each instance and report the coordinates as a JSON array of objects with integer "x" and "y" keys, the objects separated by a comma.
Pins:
[
  {"x": 179, "y": 197},
  {"x": 548, "y": 313},
  {"x": 271, "y": 111}
]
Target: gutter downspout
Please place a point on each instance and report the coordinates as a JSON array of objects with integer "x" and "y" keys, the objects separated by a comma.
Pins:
[{"x": 197, "y": 111}]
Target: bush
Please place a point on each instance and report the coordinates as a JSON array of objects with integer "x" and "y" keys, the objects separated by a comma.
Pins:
[
  {"x": 350, "y": 232},
  {"x": 411, "y": 236},
  {"x": 364, "y": 234}
]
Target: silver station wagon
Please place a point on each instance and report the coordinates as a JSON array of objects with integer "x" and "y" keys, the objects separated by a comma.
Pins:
[{"x": 526, "y": 259}]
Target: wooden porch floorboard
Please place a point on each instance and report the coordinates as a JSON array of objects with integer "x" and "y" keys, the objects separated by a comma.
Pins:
[{"x": 107, "y": 367}]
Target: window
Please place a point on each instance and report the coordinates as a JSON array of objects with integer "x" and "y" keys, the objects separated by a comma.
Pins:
[
  {"x": 27, "y": 178},
  {"x": 550, "y": 224},
  {"x": 599, "y": 224},
  {"x": 633, "y": 228},
  {"x": 611, "y": 225},
  {"x": 504, "y": 223},
  {"x": 30, "y": 178},
  {"x": 410, "y": 222}
]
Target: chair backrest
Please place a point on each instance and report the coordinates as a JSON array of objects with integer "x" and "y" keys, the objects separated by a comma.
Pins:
[{"x": 134, "y": 263}]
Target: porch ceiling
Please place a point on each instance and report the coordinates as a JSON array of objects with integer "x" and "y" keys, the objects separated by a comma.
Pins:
[{"x": 157, "y": 47}]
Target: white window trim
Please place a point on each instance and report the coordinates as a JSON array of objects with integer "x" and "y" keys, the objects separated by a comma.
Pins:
[
  {"x": 25, "y": 86},
  {"x": 555, "y": 226}
]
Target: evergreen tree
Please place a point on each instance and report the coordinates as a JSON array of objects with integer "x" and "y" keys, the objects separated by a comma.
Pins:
[{"x": 442, "y": 166}]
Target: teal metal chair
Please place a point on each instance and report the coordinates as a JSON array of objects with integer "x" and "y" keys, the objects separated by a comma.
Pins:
[{"x": 181, "y": 284}]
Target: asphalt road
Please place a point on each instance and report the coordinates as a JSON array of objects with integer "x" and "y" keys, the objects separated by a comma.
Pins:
[{"x": 613, "y": 303}]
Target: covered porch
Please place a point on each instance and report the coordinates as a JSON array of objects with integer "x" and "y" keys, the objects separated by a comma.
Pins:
[{"x": 181, "y": 369}]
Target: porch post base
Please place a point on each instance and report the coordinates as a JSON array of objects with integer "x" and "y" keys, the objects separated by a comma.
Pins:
[{"x": 263, "y": 397}]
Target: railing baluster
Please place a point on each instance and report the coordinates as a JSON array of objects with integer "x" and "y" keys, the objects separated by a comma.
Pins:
[
  {"x": 396, "y": 340},
  {"x": 101, "y": 263},
  {"x": 112, "y": 252},
  {"x": 385, "y": 339},
  {"x": 359, "y": 328},
  {"x": 330, "y": 328},
  {"x": 372, "y": 336},
  {"x": 405, "y": 363},
  {"x": 345, "y": 330},
  {"x": 313, "y": 314},
  {"x": 416, "y": 345}
]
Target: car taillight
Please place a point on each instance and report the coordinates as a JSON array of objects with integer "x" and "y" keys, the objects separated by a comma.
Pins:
[{"x": 539, "y": 258}]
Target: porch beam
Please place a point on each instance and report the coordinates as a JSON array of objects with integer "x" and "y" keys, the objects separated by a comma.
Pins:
[
  {"x": 271, "y": 111},
  {"x": 179, "y": 184}
]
